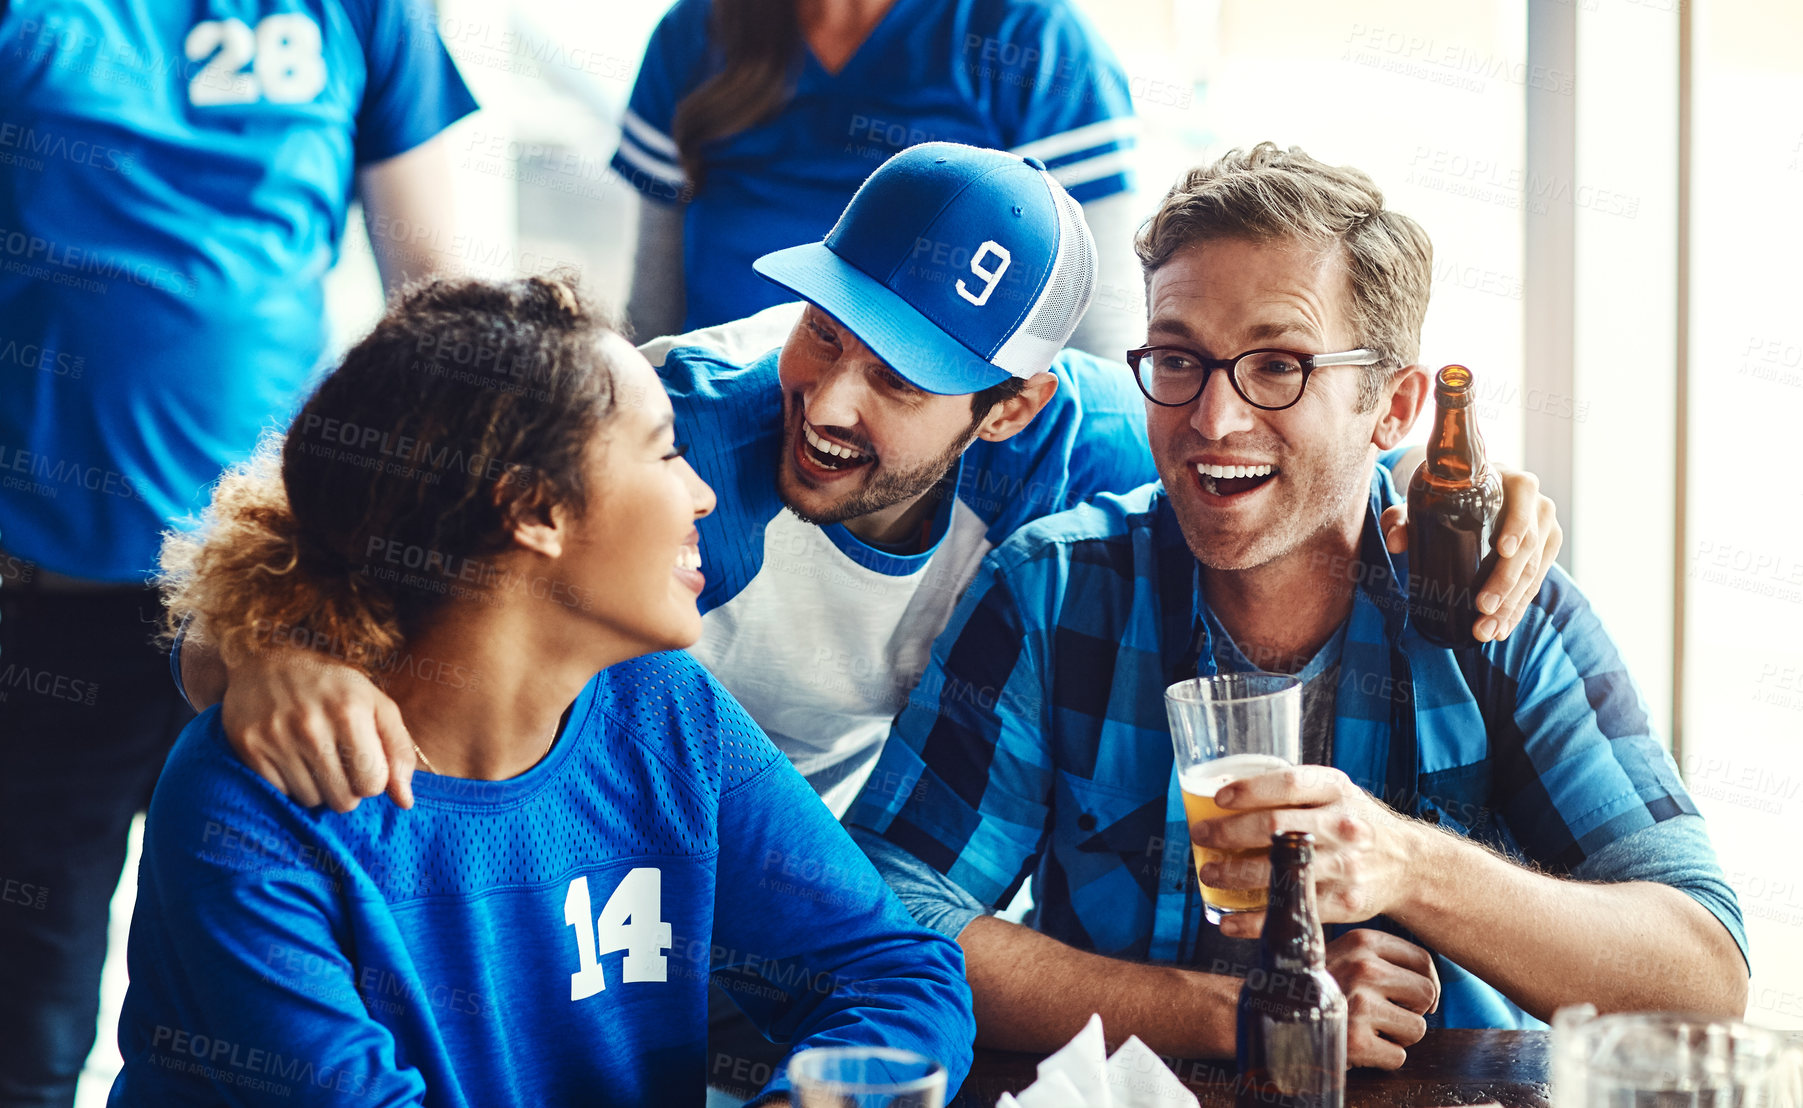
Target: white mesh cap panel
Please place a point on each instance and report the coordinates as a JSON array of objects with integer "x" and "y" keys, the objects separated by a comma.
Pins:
[{"x": 1064, "y": 298}]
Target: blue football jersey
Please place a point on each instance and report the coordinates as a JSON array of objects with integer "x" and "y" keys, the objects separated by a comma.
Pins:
[
  {"x": 543, "y": 940},
  {"x": 174, "y": 178},
  {"x": 1031, "y": 76}
]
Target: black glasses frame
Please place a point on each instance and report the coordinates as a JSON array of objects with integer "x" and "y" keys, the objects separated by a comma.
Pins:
[{"x": 1308, "y": 362}]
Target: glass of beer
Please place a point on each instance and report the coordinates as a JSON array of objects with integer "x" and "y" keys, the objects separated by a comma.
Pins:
[{"x": 1225, "y": 728}]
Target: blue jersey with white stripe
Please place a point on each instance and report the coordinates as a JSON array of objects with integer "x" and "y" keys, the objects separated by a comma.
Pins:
[
  {"x": 543, "y": 940},
  {"x": 174, "y": 178},
  {"x": 1030, "y": 76}
]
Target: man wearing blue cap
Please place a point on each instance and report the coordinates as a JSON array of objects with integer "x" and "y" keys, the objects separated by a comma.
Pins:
[{"x": 921, "y": 409}]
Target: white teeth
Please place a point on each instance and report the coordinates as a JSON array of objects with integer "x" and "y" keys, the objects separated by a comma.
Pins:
[
  {"x": 690, "y": 558},
  {"x": 822, "y": 445},
  {"x": 1234, "y": 471}
]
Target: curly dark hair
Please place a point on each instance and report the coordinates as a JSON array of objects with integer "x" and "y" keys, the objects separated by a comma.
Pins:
[{"x": 471, "y": 404}]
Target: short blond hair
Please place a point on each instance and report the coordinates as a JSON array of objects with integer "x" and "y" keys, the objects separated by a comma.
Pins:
[{"x": 1269, "y": 193}]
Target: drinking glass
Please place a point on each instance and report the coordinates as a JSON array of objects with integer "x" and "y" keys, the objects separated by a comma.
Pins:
[
  {"x": 1670, "y": 1060},
  {"x": 866, "y": 1077},
  {"x": 1227, "y": 728}
]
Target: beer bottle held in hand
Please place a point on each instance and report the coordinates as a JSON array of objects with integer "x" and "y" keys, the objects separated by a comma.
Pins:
[
  {"x": 1292, "y": 1015},
  {"x": 1454, "y": 499}
]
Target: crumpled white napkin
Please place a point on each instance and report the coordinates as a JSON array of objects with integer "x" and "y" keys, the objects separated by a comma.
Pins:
[{"x": 1078, "y": 1076}]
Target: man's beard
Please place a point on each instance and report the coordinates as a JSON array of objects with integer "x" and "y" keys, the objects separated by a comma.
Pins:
[{"x": 884, "y": 489}]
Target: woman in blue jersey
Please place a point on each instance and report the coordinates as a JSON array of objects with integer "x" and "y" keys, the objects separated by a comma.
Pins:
[
  {"x": 485, "y": 508},
  {"x": 752, "y": 123}
]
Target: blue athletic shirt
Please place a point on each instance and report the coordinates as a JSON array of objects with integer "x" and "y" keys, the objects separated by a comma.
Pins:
[
  {"x": 543, "y": 940},
  {"x": 1030, "y": 76},
  {"x": 817, "y": 634},
  {"x": 174, "y": 178}
]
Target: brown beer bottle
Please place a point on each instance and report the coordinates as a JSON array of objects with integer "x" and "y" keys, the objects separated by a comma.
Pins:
[
  {"x": 1454, "y": 499},
  {"x": 1292, "y": 1015}
]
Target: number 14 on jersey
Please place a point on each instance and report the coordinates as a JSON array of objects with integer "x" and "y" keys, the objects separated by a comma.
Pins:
[{"x": 631, "y": 920}]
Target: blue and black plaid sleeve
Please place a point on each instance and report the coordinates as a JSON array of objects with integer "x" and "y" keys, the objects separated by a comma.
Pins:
[{"x": 964, "y": 781}]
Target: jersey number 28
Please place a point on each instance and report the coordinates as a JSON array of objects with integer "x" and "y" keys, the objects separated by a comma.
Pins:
[
  {"x": 630, "y": 921},
  {"x": 284, "y": 55}
]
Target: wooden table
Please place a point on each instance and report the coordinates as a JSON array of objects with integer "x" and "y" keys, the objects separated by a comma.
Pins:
[{"x": 1446, "y": 1067}]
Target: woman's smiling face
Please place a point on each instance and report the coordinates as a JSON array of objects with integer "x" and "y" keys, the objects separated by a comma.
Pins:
[{"x": 634, "y": 555}]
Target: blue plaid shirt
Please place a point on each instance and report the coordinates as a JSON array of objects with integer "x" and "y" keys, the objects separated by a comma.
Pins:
[{"x": 1036, "y": 742}]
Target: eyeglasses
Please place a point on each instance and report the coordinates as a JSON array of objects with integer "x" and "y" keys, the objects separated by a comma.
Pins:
[{"x": 1173, "y": 376}]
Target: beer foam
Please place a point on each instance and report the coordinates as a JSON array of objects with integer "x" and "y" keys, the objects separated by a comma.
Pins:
[{"x": 1207, "y": 778}]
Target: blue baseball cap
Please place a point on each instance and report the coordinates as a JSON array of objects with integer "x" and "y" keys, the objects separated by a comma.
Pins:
[{"x": 959, "y": 267}]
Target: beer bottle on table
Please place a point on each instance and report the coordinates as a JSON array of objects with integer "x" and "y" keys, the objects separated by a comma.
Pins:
[
  {"x": 1292, "y": 1015},
  {"x": 1454, "y": 499}
]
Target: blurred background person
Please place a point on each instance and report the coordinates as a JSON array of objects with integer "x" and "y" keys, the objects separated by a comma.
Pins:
[
  {"x": 175, "y": 190},
  {"x": 753, "y": 122}
]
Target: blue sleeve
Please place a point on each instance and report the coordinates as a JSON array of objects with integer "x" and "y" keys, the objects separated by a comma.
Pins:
[
  {"x": 731, "y": 419},
  {"x": 964, "y": 783},
  {"x": 1090, "y": 438},
  {"x": 1575, "y": 770},
  {"x": 1674, "y": 852},
  {"x": 240, "y": 984},
  {"x": 933, "y": 899},
  {"x": 1111, "y": 451},
  {"x": 675, "y": 64},
  {"x": 1394, "y": 486},
  {"x": 413, "y": 89},
  {"x": 811, "y": 943},
  {"x": 1063, "y": 98}
]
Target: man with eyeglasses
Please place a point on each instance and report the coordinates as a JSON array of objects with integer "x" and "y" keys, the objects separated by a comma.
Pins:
[{"x": 1497, "y": 821}]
